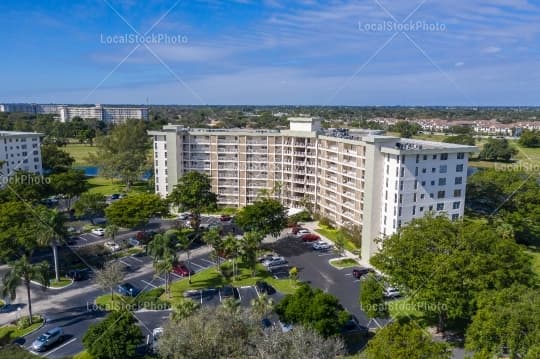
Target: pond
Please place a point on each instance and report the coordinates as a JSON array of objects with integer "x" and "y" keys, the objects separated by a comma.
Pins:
[{"x": 93, "y": 171}]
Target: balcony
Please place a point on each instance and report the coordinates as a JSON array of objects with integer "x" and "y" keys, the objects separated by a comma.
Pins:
[
  {"x": 227, "y": 158},
  {"x": 257, "y": 159},
  {"x": 227, "y": 184},
  {"x": 227, "y": 149},
  {"x": 228, "y": 167}
]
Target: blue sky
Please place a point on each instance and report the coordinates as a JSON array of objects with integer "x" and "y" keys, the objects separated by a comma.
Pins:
[{"x": 306, "y": 52}]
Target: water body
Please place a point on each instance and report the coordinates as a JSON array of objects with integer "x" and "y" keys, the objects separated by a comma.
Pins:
[{"x": 93, "y": 171}]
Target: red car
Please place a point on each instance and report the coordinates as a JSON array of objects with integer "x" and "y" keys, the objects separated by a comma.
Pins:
[
  {"x": 310, "y": 237},
  {"x": 296, "y": 228},
  {"x": 225, "y": 218},
  {"x": 181, "y": 269}
]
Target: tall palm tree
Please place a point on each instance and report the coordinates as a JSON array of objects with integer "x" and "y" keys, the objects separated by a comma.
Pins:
[
  {"x": 262, "y": 305},
  {"x": 183, "y": 309},
  {"x": 213, "y": 239},
  {"x": 231, "y": 247},
  {"x": 22, "y": 272},
  {"x": 249, "y": 245},
  {"x": 184, "y": 244},
  {"x": 111, "y": 231},
  {"x": 162, "y": 250},
  {"x": 51, "y": 231}
]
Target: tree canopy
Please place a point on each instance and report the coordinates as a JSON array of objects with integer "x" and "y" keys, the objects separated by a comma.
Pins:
[
  {"x": 136, "y": 210},
  {"x": 54, "y": 159},
  {"x": 265, "y": 216},
  {"x": 431, "y": 256},
  {"x": 497, "y": 150},
  {"x": 530, "y": 138}
]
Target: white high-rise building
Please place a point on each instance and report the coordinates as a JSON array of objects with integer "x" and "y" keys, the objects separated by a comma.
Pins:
[
  {"x": 356, "y": 178},
  {"x": 19, "y": 151}
]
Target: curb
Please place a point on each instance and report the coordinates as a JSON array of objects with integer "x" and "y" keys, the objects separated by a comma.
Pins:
[
  {"x": 54, "y": 288},
  {"x": 38, "y": 328},
  {"x": 341, "y": 258}
]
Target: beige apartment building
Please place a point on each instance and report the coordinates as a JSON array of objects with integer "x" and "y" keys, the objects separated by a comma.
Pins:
[{"x": 352, "y": 177}]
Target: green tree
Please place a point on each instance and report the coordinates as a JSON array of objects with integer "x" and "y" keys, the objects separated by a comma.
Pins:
[
  {"x": 51, "y": 231},
  {"x": 406, "y": 129},
  {"x": 90, "y": 205},
  {"x": 231, "y": 247},
  {"x": 111, "y": 231},
  {"x": 194, "y": 193},
  {"x": 136, "y": 210},
  {"x": 372, "y": 298},
  {"x": 117, "y": 336},
  {"x": 506, "y": 323},
  {"x": 23, "y": 272},
  {"x": 406, "y": 340},
  {"x": 530, "y": 138},
  {"x": 266, "y": 216},
  {"x": 467, "y": 140},
  {"x": 262, "y": 305},
  {"x": 109, "y": 277},
  {"x": 497, "y": 150},
  {"x": 71, "y": 184},
  {"x": 249, "y": 245},
  {"x": 18, "y": 228},
  {"x": 25, "y": 186},
  {"x": 55, "y": 160},
  {"x": 339, "y": 243},
  {"x": 314, "y": 309},
  {"x": 431, "y": 256},
  {"x": 183, "y": 308},
  {"x": 213, "y": 239},
  {"x": 162, "y": 249},
  {"x": 123, "y": 152},
  {"x": 184, "y": 243}
]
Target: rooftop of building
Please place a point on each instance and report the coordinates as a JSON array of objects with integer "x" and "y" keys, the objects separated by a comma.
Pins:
[{"x": 18, "y": 133}]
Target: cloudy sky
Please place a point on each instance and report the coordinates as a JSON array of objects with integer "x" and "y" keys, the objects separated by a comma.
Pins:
[{"x": 307, "y": 52}]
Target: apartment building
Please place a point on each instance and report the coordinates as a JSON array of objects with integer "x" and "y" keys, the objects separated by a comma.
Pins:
[
  {"x": 111, "y": 114},
  {"x": 19, "y": 151},
  {"x": 354, "y": 178}
]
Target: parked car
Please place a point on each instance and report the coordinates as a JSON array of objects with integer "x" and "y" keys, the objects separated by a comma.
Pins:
[
  {"x": 48, "y": 339},
  {"x": 78, "y": 274},
  {"x": 228, "y": 292},
  {"x": 132, "y": 241},
  {"x": 321, "y": 246},
  {"x": 128, "y": 290},
  {"x": 276, "y": 264},
  {"x": 112, "y": 246},
  {"x": 271, "y": 260},
  {"x": 181, "y": 269},
  {"x": 264, "y": 287},
  {"x": 296, "y": 228},
  {"x": 225, "y": 218},
  {"x": 302, "y": 231},
  {"x": 391, "y": 292},
  {"x": 267, "y": 256},
  {"x": 359, "y": 272},
  {"x": 310, "y": 237},
  {"x": 115, "y": 196},
  {"x": 156, "y": 334},
  {"x": 285, "y": 327},
  {"x": 98, "y": 231},
  {"x": 184, "y": 216}
]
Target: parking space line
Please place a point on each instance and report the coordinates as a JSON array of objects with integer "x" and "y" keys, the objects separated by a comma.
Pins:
[
  {"x": 205, "y": 260},
  {"x": 256, "y": 291},
  {"x": 219, "y": 292},
  {"x": 197, "y": 265},
  {"x": 122, "y": 261},
  {"x": 60, "y": 347},
  {"x": 239, "y": 296},
  {"x": 150, "y": 284},
  {"x": 348, "y": 274},
  {"x": 176, "y": 275},
  {"x": 136, "y": 259}
]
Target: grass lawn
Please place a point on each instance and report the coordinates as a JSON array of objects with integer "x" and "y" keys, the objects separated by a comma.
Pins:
[
  {"x": 344, "y": 263},
  {"x": 14, "y": 332},
  {"x": 106, "y": 186},
  {"x": 210, "y": 278},
  {"x": 82, "y": 355},
  {"x": 61, "y": 283},
  {"x": 332, "y": 234},
  {"x": 80, "y": 153},
  {"x": 16, "y": 352},
  {"x": 402, "y": 308}
]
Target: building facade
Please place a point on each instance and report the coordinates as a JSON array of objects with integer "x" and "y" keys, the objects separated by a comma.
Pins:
[
  {"x": 361, "y": 178},
  {"x": 19, "y": 151}
]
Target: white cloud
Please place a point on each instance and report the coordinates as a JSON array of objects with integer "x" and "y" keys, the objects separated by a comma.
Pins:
[
  {"x": 459, "y": 64},
  {"x": 491, "y": 50}
]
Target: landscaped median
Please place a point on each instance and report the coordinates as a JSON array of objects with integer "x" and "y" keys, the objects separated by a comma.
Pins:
[
  {"x": 19, "y": 329},
  {"x": 334, "y": 234},
  {"x": 342, "y": 263}
]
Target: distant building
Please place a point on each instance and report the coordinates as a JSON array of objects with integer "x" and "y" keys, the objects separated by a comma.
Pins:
[
  {"x": 379, "y": 183},
  {"x": 110, "y": 114},
  {"x": 19, "y": 151}
]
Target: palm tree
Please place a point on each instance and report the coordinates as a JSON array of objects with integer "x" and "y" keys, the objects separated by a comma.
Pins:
[
  {"x": 51, "y": 230},
  {"x": 184, "y": 243},
  {"x": 213, "y": 239},
  {"x": 109, "y": 277},
  {"x": 22, "y": 272},
  {"x": 231, "y": 305},
  {"x": 162, "y": 250},
  {"x": 249, "y": 245},
  {"x": 183, "y": 309},
  {"x": 262, "y": 305},
  {"x": 231, "y": 247},
  {"x": 111, "y": 231}
]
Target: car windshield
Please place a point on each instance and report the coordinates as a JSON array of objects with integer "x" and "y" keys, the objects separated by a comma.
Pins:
[{"x": 43, "y": 337}]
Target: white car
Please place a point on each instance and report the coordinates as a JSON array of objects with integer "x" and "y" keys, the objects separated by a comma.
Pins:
[
  {"x": 391, "y": 292},
  {"x": 269, "y": 262},
  {"x": 98, "y": 231},
  {"x": 112, "y": 246},
  {"x": 321, "y": 246},
  {"x": 302, "y": 231},
  {"x": 156, "y": 333}
]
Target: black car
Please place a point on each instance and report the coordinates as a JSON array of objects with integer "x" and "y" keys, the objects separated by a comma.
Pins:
[
  {"x": 360, "y": 272},
  {"x": 264, "y": 287},
  {"x": 128, "y": 290},
  {"x": 78, "y": 275}
]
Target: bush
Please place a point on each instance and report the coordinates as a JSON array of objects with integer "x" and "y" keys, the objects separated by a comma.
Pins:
[
  {"x": 150, "y": 300},
  {"x": 303, "y": 216},
  {"x": 324, "y": 221},
  {"x": 24, "y": 322}
]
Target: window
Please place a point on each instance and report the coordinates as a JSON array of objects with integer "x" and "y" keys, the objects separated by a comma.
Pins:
[
  {"x": 440, "y": 206},
  {"x": 455, "y": 217},
  {"x": 460, "y": 155},
  {"x": 413, "y": 210},
  {"x": 422, "y": 196},
  {"x": 423, "y": 170},
  {"x": 400, "y": 198},
  {"x": 423, "y": 183},
  {"x": 455, "y": 205},
  {"x": 434, "y": 157},
  {"x": 458, "y": 180},
  {"x": 402, "y": 171},
  {"x": 433, "y": 170},
  {"x": 425, "y": 157},
  {"x": 399, "y": 211},
  {"x": 401, "y": 185},
  {"x": 440, "y": 194},
  {"x": 417, "y": 158},
  {"x": 431, "y": 195},
  {"x": 459, "y": 168},
  {"x": 442, "y": 181},
  {"x": 432, "y": 183},
  {"x": 416, "y": 171},
  {"x": 457, "y": 193},
  {"x": 421, "y": 209},
  {"x": 431, "y": 208},
  {"x": 414, "y": 197},
  {"x": 415, "y": 184},
  {"x": 443, "y": 169},
  {"x": 444, "y": 156}
]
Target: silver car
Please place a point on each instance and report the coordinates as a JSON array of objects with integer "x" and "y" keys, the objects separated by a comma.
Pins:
[{"x": 47, "y": 339}]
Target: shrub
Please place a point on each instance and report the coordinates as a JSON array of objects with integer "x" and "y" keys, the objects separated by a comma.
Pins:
[
  {"x": 324, "y": 221},
  {"x": 150, "y": 300},
  {"x": 24, "y": 322}
]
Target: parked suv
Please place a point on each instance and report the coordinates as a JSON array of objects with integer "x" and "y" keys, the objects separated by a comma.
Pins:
[
  {"x": 269, "y": 261},
  {"x": 47, "y": 339},
  {"x": 128, "y": 290},
  {"x": 310, "y": 237}
]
